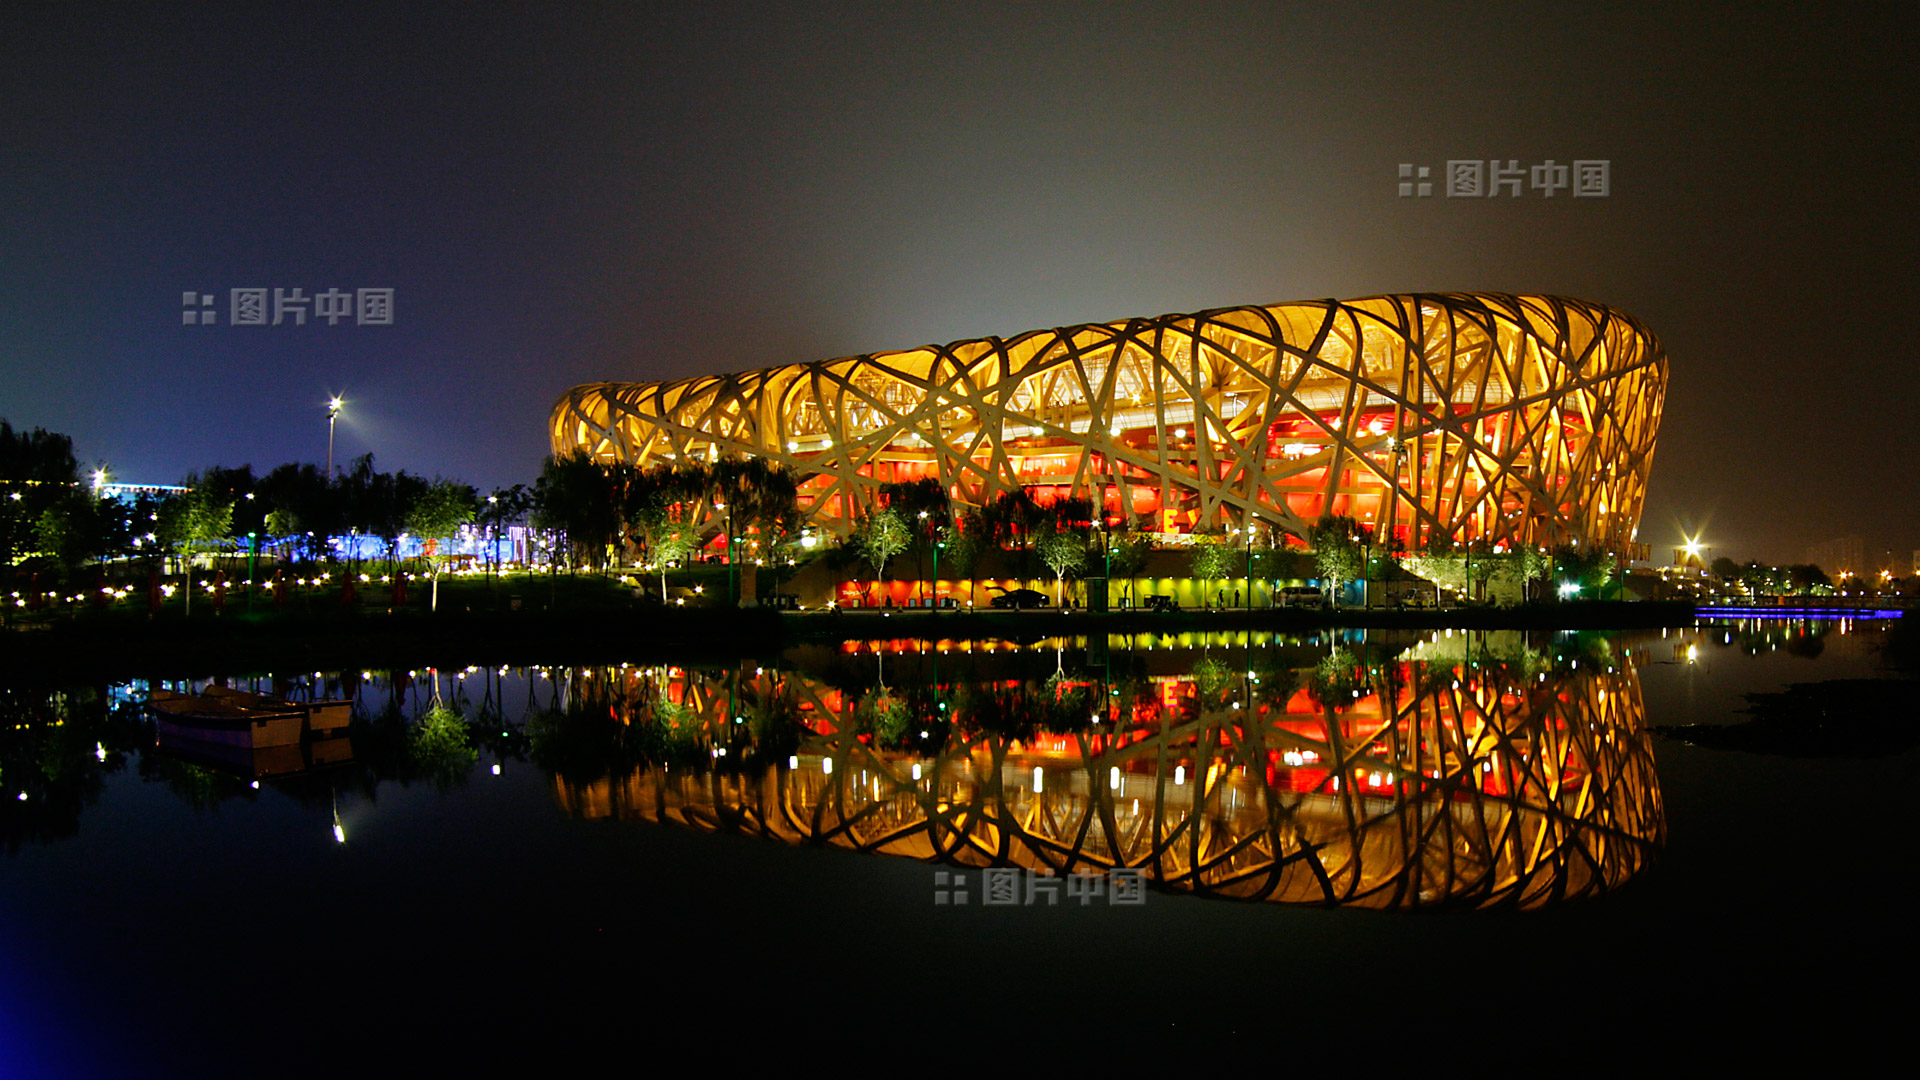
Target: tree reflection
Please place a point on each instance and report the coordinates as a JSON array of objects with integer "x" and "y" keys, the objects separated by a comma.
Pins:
[
  {"x": 56, "y": 749},
  {"x": 440, "y": 747},
  {"x": 1478, "y": 771},
  {"x": 1461, "y": 768}
]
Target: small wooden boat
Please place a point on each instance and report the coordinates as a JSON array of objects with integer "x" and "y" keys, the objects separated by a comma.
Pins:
[
  {"x": 326, "y": 718},
  {"x": 227, "y": 723}
]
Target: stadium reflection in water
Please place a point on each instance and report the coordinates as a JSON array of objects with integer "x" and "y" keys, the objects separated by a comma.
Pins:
[{"x": 1471, "y": 771}]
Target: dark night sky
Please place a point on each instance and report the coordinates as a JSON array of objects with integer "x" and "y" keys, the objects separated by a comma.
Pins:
[{"x": 570, "y": 194}]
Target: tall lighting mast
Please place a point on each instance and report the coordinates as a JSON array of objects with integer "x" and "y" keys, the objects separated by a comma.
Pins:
[{"x": 333, "y": 413}]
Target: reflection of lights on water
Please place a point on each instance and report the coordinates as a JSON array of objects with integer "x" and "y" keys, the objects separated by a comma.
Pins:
[
  {"x": 1693, "y": 653},
  {"x": 916, "y": 770},
  {"x": 1113, "y": 778},
  {"x": 1038, "y": 784},
  {"x": 793, "y": 761},
  {"x": 826, "y": 766},
  {"x": 1179, "y": 775}
]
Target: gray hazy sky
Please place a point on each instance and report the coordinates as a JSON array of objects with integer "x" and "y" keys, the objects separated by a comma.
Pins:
[{"x": 561, "y": 194}]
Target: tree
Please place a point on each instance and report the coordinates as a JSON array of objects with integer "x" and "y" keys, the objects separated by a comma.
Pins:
[
  {"x": 1726, "y": 569},
  {"x": 1339, "y": 551},
  {"x": 1211, "y": 559},
  {"x": 434, "y": 516},
  {"x": 302, "y": 508},
  {"x": 925, "y": 510},
  {"x": 75, "y": 526},
  {"x": 575, "y": 496},
  {"x": 1012, "y": 517},
  {"x": 966, "y": 543},
  {"x": 190, "y": 520},
  {"x": 1808, "y": 578},
  {"x": 374, "y": 503},
  {"x": 762, "y": 499},
  {"x": 1586, "y": 570},
  {"x": 1128, "y": 555},
  {"x": 1064, "y": 551},
  {"x": 880, "y": 535},
  {"x": 37, "y": 468},
  {"x": 1060, "y": 537},
  {"x": 659, "y": 502},
  {"x": 1438, "y": 560},
  {"x": 503, "y": 506},
  {"x": 1519, "y": 566}
]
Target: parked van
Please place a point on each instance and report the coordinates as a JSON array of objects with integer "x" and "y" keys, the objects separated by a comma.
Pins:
[{"x": 1302, "y": 596}]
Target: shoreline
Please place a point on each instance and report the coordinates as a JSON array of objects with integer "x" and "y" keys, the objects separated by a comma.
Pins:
[{"x": 88, "y": 650}]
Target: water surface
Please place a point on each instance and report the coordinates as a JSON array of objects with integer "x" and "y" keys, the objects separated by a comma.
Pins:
[{"x": 509, "y": 859}]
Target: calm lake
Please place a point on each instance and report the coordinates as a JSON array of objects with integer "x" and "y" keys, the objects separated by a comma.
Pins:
[{"x": 1194, "y": 842}]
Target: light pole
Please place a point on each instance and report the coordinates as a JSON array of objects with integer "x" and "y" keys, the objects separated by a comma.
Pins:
[
  {"x": 1248, "y": 529},
  {"x": 935, "y": 588},
  {"x": 733, "y": 588},
  {"x": 1106, "y": 570},
  {"x": 493, "y": 538},
  {"x": 937, "y": 545},
  {"x": 333, "y": 412}
]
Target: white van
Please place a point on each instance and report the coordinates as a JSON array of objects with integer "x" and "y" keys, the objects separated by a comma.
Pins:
[{"x": 1302, "y": 596}]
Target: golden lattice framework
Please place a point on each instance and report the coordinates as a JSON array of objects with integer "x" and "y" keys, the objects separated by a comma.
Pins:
[
  {"x": 1492, "y": 788},
  {"x": 1497, "y": 418}
]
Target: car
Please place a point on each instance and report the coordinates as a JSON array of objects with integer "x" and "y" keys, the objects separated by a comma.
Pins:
[
  {"x": 1019, "y": 598},
  {"x": 1161, "y": 603},
  {"x": 1301, "y": 596}
]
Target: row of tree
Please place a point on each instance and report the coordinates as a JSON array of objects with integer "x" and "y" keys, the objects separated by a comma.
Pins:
[
  {"x": 607, "y": 515},
  {"x": 1068, "y": 537},
  {"x": 54, "y": 521},
  {"x": 602, "y": 515},
  {"x": 1800, "y": 578}
]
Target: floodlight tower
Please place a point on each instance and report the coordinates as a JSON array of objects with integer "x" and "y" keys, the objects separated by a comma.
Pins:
[{"x": 334, "y": 406}]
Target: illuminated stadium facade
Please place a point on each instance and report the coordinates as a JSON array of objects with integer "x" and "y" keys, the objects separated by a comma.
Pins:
[{"x": 1471, "y": 417}]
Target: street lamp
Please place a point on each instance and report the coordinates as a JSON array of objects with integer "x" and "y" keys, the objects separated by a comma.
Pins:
[
  {"x": 937, "y": 544},
  {"x": 1248, "y": 549},
  {"x": 1106, "y": 572},
  {"x": 733, "y": 587},
  {"x": 334, "y": 405}
]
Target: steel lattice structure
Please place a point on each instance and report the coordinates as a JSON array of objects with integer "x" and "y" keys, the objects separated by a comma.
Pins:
[
  {"x": 1495, "y": 788},
  {"x": 1471, "y": 417}
]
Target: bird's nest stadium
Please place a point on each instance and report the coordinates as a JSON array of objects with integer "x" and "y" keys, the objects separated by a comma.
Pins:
[{"x": 1494, "y": 419}]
